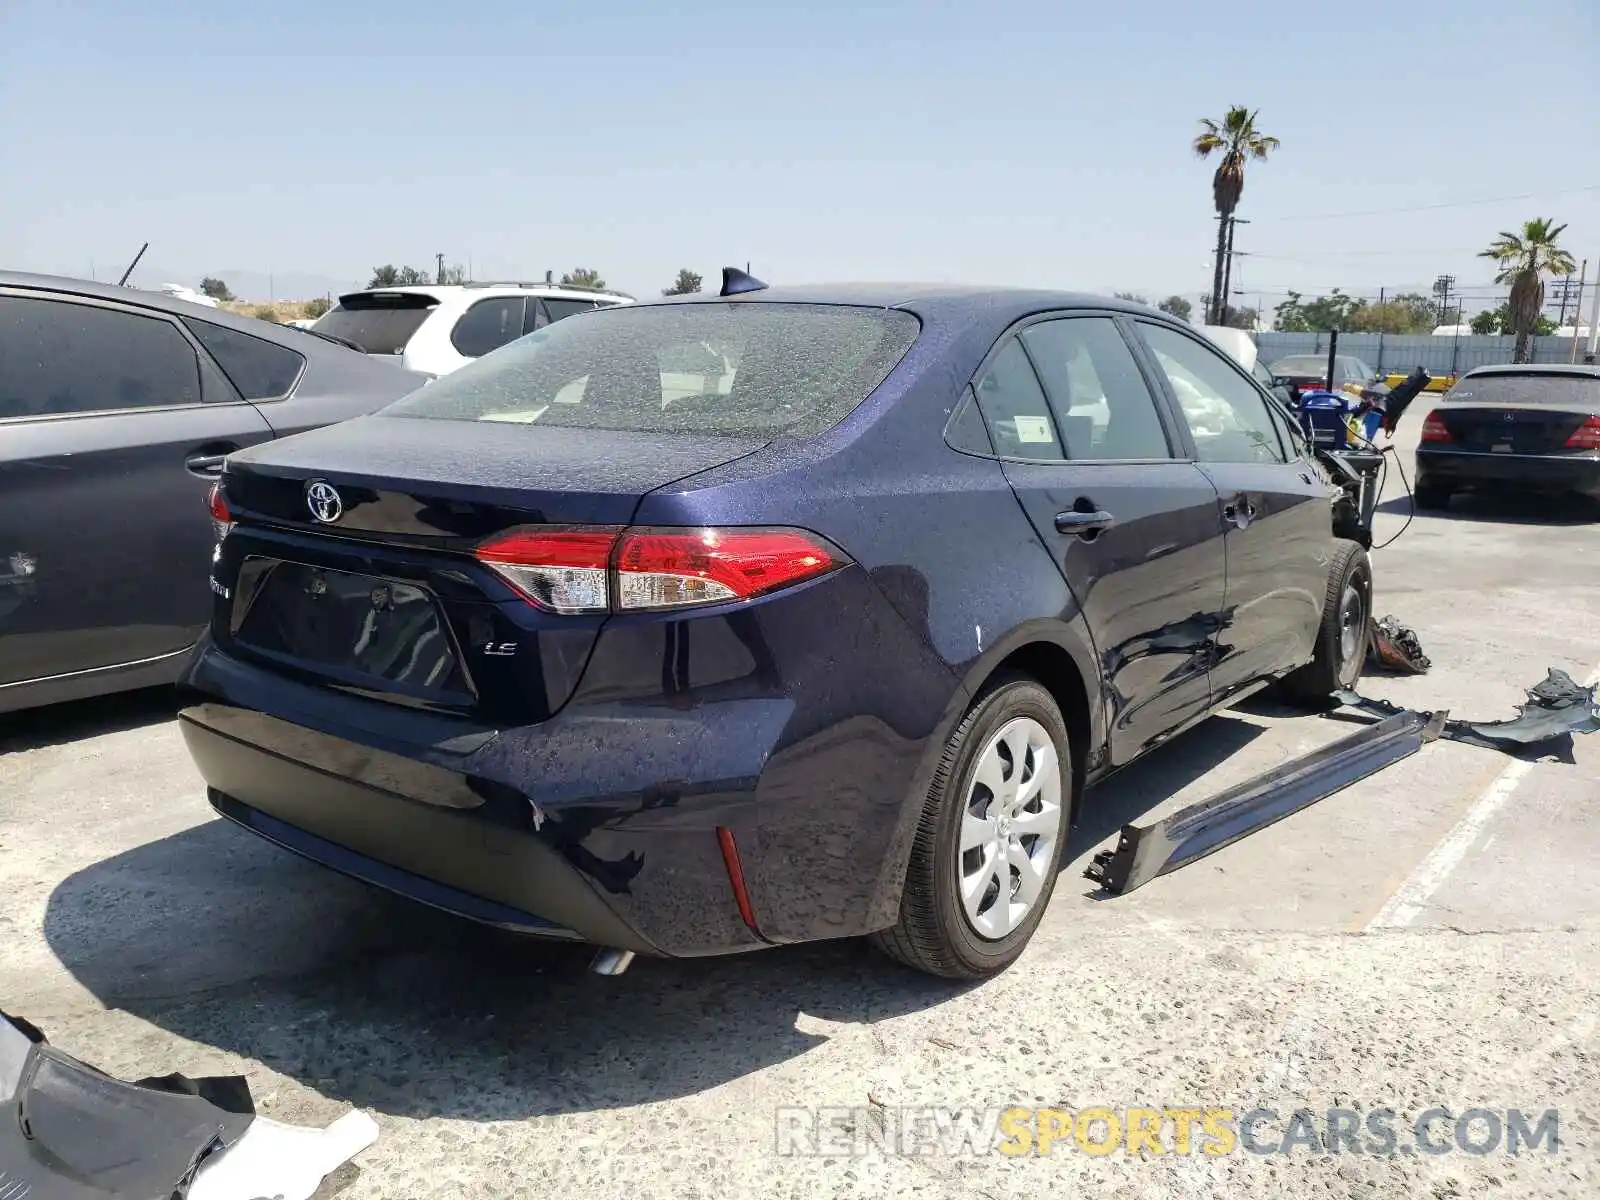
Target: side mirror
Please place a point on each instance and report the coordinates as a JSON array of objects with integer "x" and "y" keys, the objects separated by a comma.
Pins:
[{"x": 1284, "y": 395}]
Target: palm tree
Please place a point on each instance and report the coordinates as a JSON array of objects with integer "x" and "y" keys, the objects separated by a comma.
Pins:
[
  {"x": 1524, "y": 259},
  {"x": 1237, "y": 138}
]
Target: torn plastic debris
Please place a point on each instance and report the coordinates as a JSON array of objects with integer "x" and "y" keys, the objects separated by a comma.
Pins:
[
  {"x": 1557, "y": 707},
  {"x": 1395, "y": 647},
  {"x": 286, "y": 1162},
  {"x": 1144, "y": 852},
  {"x": 71, "y": 1132}
]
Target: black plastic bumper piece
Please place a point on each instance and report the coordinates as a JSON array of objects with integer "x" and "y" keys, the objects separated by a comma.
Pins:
[
  {"x": 1145, "y": 852},
  {"x": 381, "y": 875},
  {"x": 70, "y": 1132}
]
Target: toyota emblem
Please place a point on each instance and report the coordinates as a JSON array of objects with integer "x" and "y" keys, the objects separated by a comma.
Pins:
[{"x": 324, "y": 501}]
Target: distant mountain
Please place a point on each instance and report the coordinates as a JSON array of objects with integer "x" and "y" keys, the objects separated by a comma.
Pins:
[{"x": 251, "y": 285}]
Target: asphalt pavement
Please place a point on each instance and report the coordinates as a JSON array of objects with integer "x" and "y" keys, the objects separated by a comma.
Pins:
[{"x": 1427, "y": 938}]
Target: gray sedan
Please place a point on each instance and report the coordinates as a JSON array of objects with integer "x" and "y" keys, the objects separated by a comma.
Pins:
[{"x": 117, "y": 408}]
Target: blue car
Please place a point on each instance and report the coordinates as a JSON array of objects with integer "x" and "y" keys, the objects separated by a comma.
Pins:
[{"x": 728, "y": 621}]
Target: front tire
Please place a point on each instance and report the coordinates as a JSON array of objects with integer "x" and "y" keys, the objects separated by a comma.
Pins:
[
  {"x": 1345, "y": 632},
  {"x": 988, "y": 845}
]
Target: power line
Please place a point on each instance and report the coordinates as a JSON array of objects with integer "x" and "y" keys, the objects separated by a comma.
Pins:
[
  {"x": 1334, "y": 255},
  {"x": 1380, "y": 212}
]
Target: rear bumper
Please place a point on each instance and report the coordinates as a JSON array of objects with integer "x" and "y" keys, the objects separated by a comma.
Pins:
[
  {"x": 426, "y": 850},
  {"x": 636, "y": 868},
  {"x": 809, "y": 742},
  {"x": 1555, "y": 472}
]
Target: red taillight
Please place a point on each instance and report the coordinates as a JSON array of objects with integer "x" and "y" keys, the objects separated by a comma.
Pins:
[
  {"x": 221, "y": 518},
  {"x": 672, "y": 568},
  {"x": 589, "y": 570},
  {"x": 564, "y": 570},
  {"x": 1586, "y": 436},
  {"x": 1433, "y": 429}
]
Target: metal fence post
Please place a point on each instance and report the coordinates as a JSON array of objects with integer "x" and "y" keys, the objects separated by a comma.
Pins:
[{"x": 1380, "y": 330}]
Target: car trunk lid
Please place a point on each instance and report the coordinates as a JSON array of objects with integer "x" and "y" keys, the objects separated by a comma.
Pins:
[
  {"x": 350, "y": 560},
  {"x": 1530, "y": 412},
  {"x": 1494, "y": 429}
]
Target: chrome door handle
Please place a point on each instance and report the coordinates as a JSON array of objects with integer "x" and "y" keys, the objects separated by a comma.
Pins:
[
  {"x": 1239, "y": 512},
  {"x": 205, "y": 464},
  {"x": 1081, "y": 523}
]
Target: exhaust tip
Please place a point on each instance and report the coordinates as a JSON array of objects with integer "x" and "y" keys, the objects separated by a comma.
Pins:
[{"x": 611, "y": 961}]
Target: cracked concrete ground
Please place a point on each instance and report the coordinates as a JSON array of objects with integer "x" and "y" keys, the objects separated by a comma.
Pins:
[{"x": 145, "y": 936}]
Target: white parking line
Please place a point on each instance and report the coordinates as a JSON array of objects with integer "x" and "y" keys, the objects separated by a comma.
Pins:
[{"x": 1410, "y": 900}]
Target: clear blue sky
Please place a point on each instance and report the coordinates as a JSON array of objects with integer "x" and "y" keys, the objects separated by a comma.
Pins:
[{"x": 1040, "y": 142}]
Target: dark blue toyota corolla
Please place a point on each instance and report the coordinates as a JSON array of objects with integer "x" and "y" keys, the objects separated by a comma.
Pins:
[{"x": 710, "y": 624}]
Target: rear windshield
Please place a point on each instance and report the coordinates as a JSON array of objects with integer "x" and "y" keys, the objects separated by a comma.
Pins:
[
  {"x": 1582, "y": 391},
  {"x": 1303, "y": 364},
  {"x": 741, "y": 369},
  {"x": 378, "y": 322}
]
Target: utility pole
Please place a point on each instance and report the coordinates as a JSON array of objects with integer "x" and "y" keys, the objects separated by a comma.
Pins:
[
  {"x": 1441, "y": 289},
  {"x": 438, "y": 269},
  {"x": 1217, "y": 302},
  {"x": 1563, "y": 289},
  {"x": 1227, "y": 271},
  {"x": 1381, "y": 315},
  {"x": 1594, "y": 323},
  {"x": 1227, "y": 274},
  {"x": 1577, "y": 310}
]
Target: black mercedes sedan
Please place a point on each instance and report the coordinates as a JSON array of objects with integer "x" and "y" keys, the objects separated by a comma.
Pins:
[
  {"x": 117, "y": 409},
  {"x": 1513, "y": 428}
]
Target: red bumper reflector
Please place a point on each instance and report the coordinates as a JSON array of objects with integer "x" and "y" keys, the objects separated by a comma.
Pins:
[{"x": 730, "y": 859}]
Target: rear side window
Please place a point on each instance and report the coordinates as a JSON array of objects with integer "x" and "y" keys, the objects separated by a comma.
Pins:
[
  {"x": 742, "y": 368},
  {"x": 1544, "y": 389},
  {"x": 259, "y": 369},
  {"x": 1100, "y": 398},
  {"x": 559, "y": 309},
  {"x": 1302, "y": 365},
  {"x": 488, "y": 325},
  {"x": 378, "y": 322},
  {"x": 61, "y": 357},
  {"x": 1015, "y": 409}
]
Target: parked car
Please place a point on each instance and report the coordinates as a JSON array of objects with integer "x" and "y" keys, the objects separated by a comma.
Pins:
[
  {"x": 1241, "y": 347},
  {"x": 1513, "y": 428},
  {"x": 439, "y": 329},
  {"x": 117, "y": 408},
  {"x": 831, "y": 648},
  {"x": 1302, "y": 371}
]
